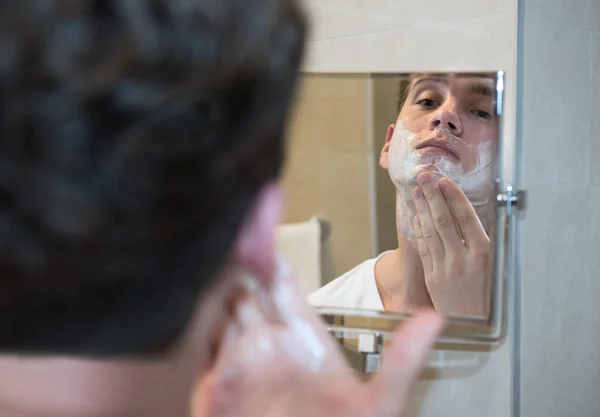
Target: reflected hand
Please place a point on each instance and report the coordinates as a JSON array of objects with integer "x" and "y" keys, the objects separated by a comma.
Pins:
[
  {"x": 454, "y": 248},
  {"x": 292, "y": 367}
]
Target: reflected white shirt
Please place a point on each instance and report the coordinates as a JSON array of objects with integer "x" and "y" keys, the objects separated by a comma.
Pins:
[{"x": 355, "y": 289}]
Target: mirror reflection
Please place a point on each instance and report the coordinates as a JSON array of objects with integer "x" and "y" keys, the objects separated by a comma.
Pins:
[{"x": 395, "y": 176}]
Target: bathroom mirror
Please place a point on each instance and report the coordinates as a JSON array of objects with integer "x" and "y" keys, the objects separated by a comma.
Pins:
[{"x": 396, "y": 201}]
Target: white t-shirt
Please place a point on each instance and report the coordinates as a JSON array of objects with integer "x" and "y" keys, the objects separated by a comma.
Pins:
[{"x": 355, "y": 289}]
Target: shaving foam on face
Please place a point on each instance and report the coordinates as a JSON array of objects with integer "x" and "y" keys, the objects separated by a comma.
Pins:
[{"x": 405, "y": 163}]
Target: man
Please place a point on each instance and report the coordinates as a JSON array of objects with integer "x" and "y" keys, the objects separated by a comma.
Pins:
[
  {"x": 439, "y": 155},
  {"x": 141, "y": 144}
]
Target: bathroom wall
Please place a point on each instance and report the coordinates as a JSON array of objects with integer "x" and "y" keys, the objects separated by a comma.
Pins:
[
  {"x": 384, "y": 108},
  {"x": 561, "y": 239},
  {"x": 328, "y": 165},
  {"x": 403, "y": 36},
  {"x": 337, "y": 131}
]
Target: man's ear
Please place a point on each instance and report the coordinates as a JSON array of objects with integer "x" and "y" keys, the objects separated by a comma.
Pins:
[
  {"x": 383, "y": 158},
  {"x": 255, "y": 246}
]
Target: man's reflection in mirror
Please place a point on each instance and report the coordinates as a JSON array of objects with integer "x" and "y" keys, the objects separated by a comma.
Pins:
[{"x": 439, "y": 154}]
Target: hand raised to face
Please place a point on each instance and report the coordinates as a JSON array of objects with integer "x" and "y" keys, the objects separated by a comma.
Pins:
[
  {"x": 454, "y": 248},
  {"x": 287, "y": 365}
]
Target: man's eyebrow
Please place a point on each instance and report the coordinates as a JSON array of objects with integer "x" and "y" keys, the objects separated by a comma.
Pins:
[
  {"x": 483, "y": 89},
  {"x": 477, "y": 88},
  {"x": 437, "y": 80}
]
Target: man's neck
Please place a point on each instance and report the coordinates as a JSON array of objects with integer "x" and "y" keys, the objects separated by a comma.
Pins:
[
  {"x": 69, "y": 387},
  {"x": 400, "y": 279},
  {"x": 40, "y": 387}
]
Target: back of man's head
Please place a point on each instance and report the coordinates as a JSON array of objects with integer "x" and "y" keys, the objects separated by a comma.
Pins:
[{"x": 135, "y": 136}]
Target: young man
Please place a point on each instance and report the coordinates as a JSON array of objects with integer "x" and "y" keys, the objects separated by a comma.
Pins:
[
  {"x": 439, "y": 154},
  {"x": 141, "y": 144}
]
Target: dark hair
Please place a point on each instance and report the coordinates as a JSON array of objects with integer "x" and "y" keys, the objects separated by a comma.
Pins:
[
  {"x": 403, "y": 90},
  {"x": 135, "y": 138}
]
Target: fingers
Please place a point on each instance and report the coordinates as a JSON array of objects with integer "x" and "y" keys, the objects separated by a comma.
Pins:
[
  {"x": 466, "y": 218},
  {"x": 245, "y": 347},
  {"x": 429, "y": 232},
  {"x": 297, "y": 336},
  {"x": 440, "y": 215},
  {"x": 203, "y": 397},
  {"x": 220, "y": 388},
  {"x": 403, "y": 361},
  {"x": 267, "y": 350},
  {"x": 307, "y": 330},
  {"x": 424, "y": 252}
]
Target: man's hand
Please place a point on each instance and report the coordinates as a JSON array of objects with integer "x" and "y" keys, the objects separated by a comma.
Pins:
[
  {"x": 291, "y": 367},
  {"x": 454, "y": 248}
]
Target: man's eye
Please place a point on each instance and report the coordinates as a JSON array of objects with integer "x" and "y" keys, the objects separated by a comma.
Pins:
[
  {"x": 483, "y": 114},
  {"x": 427, "y": 102}
]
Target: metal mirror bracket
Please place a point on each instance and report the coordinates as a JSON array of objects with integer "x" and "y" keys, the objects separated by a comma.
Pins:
[
  {"x": 512, "y": 198},
  {"x": 365, "y": 354}
]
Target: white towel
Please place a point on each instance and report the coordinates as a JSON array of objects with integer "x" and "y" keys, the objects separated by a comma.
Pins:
[{"x": 300, "y": 243}]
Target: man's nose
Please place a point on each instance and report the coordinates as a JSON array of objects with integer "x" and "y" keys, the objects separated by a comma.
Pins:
[{"x": 447, "y": 118}]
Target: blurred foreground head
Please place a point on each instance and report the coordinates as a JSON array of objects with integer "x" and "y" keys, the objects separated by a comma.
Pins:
[{"x": 136, "y": 137}]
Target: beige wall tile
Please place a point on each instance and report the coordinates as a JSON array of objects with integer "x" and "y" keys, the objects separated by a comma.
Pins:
[
  {"x": 328, "y": 87},
  {"x": 385, "y": 97},
  {"x": 335, "y": 187},
  {"x": 302, "y": 182},
  {"x": 337, "y": 126},
  {"x": 348, "y": 198},
  {"x": 327, "y": 171}
]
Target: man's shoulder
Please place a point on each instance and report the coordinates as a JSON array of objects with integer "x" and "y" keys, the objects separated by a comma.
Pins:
[{"x": 353, "y": 289}]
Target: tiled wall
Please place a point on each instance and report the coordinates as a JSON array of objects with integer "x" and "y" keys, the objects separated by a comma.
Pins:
[
  {"x": 336, "y": 135},
  {"x": 327, "y": 172},
  {"x": 404, "y": 36},
  {"x": 561, "y": 238},
  {"x": 384, "y": 105}
]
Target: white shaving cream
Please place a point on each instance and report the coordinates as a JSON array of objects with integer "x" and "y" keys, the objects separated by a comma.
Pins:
[{"x": 405, "y": 163}]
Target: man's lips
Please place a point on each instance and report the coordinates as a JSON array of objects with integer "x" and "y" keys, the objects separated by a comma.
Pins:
[{"x": 437, "y": 146}]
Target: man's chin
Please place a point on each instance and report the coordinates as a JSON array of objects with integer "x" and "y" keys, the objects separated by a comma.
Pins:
[{"x": 427, "y": 168}]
